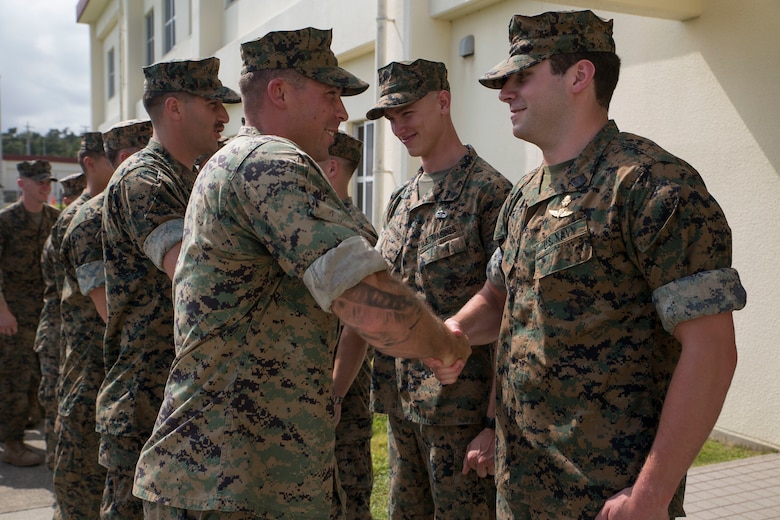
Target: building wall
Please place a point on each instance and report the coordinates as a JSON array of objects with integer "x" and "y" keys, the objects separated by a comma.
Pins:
[{"x": 702, "y": 87}]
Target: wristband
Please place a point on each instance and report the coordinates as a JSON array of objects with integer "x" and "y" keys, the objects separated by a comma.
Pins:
[
  {"x": 489, "y": 422},
  {"x": 337, "y": 399}
]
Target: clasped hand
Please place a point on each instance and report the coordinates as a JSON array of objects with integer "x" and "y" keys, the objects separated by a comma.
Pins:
[{"x": 448, "y": 373}]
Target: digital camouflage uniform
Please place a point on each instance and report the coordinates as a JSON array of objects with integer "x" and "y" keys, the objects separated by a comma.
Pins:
[
  {"x": 247, "y": 423},
  {"x": 143, "y": 215},
  {"x": 21, "y": 283},
  {"x": 599, "y": 266},
  {"x": 47, "y": 346},
  {"x": 53, "y": 347},
  {"x": 439, "y": 245},
  {"x": 144, "y": 205},
  {"x": 583, "y": 374},
  {"x": 47, "y": 336},
  {"x": 355, "y": 427},
  {"x": 253, "y": 372},
  {"x": 79, "y": 479},
  {"x": 69, "y": 456}
]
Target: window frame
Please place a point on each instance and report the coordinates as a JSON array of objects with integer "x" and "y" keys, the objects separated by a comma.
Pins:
[
  {"x": 169, "y": 25},
  {"x": 149, "y": 28}
]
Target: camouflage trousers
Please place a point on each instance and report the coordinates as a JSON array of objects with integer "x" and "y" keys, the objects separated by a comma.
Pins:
[
  {"x": 19, "y": 374},
  {"x": 48, "y": 359},
  {"x": 119, "y": 455},
  {"x": 153, "y": 511},
  {"x": 505, "y": 510},
  {"x": 426, "y": 479},
  {"x": 156, "y": 511},
  {"x": 78, "y": 478},
  {"x": 353, "y": 447},
  {"x": 48, "y": 399}
]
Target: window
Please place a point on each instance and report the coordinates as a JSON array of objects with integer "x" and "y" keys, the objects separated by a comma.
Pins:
[
  {"x": 150, "y": 38},
  {"x": 170, "y": 25},
  {"x": 364, "y": 176},
  {"x": 111, "y": 72}
]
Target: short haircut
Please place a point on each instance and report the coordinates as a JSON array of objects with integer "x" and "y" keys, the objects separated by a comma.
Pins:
[
  {"x": 153, "y": 101},
  {"x": 607, "y": 65}
]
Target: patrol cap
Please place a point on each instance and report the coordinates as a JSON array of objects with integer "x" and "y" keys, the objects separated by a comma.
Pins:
[
  {"x": 346, "y": 147},
  {"x": 92, "y": 142},
  {"x": 307, "y": 51},
  {"x": 73, "y": 185},
  {"x": 131, "y": 133},
  {"x": 533, "y": 39},
  {"x": 39, "y": 170},
  {"x": 198, "y": 77},
  {"x": 404, "y": 82}
]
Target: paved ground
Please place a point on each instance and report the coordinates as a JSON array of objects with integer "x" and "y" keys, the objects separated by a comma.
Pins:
[
  {"x": 26, "y": 493},
  {"x": 746, "y": 489}
]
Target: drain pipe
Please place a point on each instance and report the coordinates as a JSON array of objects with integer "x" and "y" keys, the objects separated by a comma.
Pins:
[{"x": 380, "y": 57}]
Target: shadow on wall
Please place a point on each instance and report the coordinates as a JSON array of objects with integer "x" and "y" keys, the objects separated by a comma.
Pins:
[{"x": 739, "y": 42}]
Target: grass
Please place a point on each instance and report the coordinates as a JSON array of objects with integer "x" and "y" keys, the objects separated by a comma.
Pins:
[
  {"x": 711, "y": 453},
  {"x": 381, "y": 468}
]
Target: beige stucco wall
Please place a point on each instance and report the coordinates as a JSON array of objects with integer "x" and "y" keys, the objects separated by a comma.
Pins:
[{"x": 705, "y": 89}]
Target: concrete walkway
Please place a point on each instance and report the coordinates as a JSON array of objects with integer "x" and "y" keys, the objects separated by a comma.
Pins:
[
  {"x": 26, "y": 493},
  {"x": 746, "y": 489}
]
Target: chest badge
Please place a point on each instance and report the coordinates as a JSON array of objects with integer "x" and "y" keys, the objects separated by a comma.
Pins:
[
  {"x": 562, "y": 212},
  {"x": 441, "y": 214}
]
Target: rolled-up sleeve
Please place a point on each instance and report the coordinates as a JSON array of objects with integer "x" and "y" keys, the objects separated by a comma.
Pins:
[
  {"x": 341, "y": 268},
  {"x": 701, "y": 294}
]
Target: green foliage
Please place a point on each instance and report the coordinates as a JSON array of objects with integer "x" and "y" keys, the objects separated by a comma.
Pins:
[
  {"x": 381, "y": 468},
  {"x": 55, "y": 143}
]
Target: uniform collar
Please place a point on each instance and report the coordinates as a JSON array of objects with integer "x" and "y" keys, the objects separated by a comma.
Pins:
[
  {"x": 451, "y": 186},
  {"x": 578, "y": 176}
]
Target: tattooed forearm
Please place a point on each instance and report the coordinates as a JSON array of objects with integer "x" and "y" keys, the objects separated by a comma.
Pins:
[
  {"x": 389, "y": 316},
  {"x": 367, "y": 295},
  {"x": 383, "y": 318}
]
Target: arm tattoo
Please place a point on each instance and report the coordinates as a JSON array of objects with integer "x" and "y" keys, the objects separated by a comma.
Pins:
[{"x": 394, "y": 315}]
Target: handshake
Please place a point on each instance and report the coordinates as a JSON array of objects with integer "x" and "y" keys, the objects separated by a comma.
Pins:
[{"x": 447, "y": 368}]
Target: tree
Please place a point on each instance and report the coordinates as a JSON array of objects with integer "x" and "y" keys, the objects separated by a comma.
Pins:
[{"x": 55, "y": 143}]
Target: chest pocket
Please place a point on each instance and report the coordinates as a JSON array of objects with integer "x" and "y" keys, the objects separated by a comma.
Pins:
[
  {"x": 563, "y": 248},
  {"x": 391, "y": 243},
  {"x": 437, "y": 251}
]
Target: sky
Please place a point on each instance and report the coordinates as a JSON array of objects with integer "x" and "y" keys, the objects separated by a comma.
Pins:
[{"x": 44, "y": 66}]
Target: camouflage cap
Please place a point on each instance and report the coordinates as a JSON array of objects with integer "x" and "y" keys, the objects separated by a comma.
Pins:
[
  {"x": 198, "y": 77},
  {"x": 131, "y": 133},
  {"x": 92, "y": 142},
  {"x": 533, "y": 39},
  {"x": 73, "y": 185},
  {"x": 346, "y": 147},
  {"x": 306, "y": 51},
  {"x": 402, "y": 83},
  {"x": 39, "y": 170}
]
